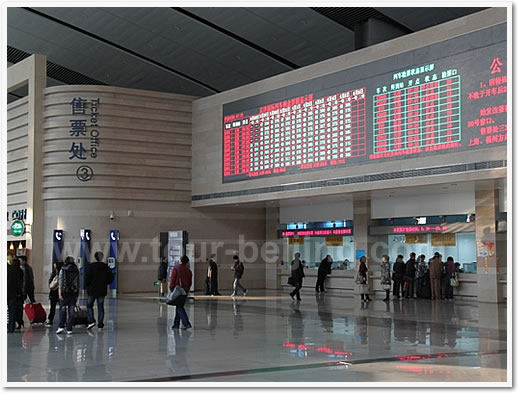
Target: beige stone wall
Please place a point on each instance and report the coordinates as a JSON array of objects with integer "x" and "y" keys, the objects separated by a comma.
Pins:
[
  {"x": 207, "y": 125},
  {"x": 17, "y": 154},
  {"x": 143, "y": 175}
]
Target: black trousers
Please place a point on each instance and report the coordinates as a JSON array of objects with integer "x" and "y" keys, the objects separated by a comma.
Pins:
[
  {"x": 296, "y": 291},
  {"x": 409, "y": 288},
  {"x": 12, "y": 309},
  {"x": 53, "y": 302},
  {"x": 320, "y": 282},
  {"x": 397, "y": 286}
]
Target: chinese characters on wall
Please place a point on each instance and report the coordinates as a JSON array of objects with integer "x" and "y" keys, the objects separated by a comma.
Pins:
[{"x": 84, "y": 131}]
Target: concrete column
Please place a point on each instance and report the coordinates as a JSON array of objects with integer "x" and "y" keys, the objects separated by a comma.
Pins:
[
  {"x": 33, "y": 73},
  {"x": 486, "y": 209},
  {"x": 272, "y": 268},
  {"x": 373, "y": 31}
]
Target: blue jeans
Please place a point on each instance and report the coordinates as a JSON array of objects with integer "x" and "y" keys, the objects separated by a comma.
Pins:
[
  {"x": 100, "y": 310},
  {"x": 181, "y": 315},
  {"x": 237, "y": 285},
  {"x": 66, "y": 310}
]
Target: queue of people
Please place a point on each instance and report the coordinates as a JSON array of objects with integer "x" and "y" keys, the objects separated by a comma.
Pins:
[{"x": 412, "y": 279}]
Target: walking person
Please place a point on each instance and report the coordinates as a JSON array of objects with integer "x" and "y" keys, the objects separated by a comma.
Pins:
[
  {"x": 421, "y": 270},
  {"x": 28, "y": 279},
  {"x": 410, "y": 268},
  {"x": 435, "y": 277},
  {"x": 18, "y": 309},
  {"x": 162, "y": 276},
  {"x": 385, "y": 276},
  {"x": 97, "y": 277},
  {"x": 182, "y": 276},
  {"x": 362, "y": 279},
  {"x": 14, "y": 293},
  {"x": 68, "y": 294},
  {"x": 213, "y": 275},
  {"x": 54, "y": 291},
  {"x": 323, "y": 270},
  {"x": 399, "y": 272},
  {"x": 450, "y": 271},
  {"x": 239, "y": 270},
  {"x": 297, "y": 273}
]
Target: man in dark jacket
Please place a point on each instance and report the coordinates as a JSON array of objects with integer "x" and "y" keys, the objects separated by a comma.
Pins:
[
  {"x": 323, "y": 270},
  {"x": 410, "y": 276},
  {"x": 213, "y": 275},
  {"x": 399, "y": 272},
  {"x": 297, "y": 274},
  {"x": 238, "y": 269},
  {"x": 68, "y": 291},
  {"x": 162, "y": 276},
  {"x": 28, "y": 279},
  {"x": 97, "y": 277},
  {"x": 14, "y": 293}
]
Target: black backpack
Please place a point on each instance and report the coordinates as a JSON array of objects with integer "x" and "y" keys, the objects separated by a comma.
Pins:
[{"x": 70, "y": 281}]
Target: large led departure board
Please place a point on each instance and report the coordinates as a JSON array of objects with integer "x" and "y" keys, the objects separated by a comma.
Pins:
[{"x": 448, "y": 96}]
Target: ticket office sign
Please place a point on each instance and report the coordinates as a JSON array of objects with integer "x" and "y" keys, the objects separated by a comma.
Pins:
[{"x": 440, "y": 98}]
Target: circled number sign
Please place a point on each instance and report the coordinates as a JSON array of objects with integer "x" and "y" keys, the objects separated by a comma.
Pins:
[{"x": 84, "y": 173}]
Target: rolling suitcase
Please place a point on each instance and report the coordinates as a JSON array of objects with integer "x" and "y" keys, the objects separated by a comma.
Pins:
[
  {"x": 79, "y": 316},
  {"x": 35, "y": 313}
]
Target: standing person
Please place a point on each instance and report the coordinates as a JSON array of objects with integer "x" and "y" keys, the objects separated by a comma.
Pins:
[
  {"x": 68, "y": 294},
  {"x": 399, "y": 272},
  {"x": 420, "y": 274},
  {"x": 385, "y": 276},
  {"x": 181, "y": 275},
  {"x": 28, "y": 280},
  {"x": 435, "y": 277},
  {"x": 97, "y": 277},
  {"x": 297, "y": 273},
  {"x": 362, "y": 279},
  {"x": 54, "y": 292},
  {"x": 410, "y": 276},
  {"x": 213, "y": 275},
  {"x": 162, "y": 276},
  {"x": 14, "y": 292},
  {"x": 323, "y": 270},
  {"x": 450, "y": 271},
  {"x": 238, "y": 269}
]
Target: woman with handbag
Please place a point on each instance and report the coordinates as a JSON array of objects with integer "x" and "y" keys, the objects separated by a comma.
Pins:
[
  {"x": 386, "y": 282},
  {"x": 54, "y": 291},
  {"x": 362, "y": 279},
  {"x": 181, "y": 280}
]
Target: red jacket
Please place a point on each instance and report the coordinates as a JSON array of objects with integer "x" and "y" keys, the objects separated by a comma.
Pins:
[{"x": 181, "y": 273}]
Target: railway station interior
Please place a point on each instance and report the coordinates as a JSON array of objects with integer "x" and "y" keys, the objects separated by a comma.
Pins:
[{"x": 345, "y": 135}]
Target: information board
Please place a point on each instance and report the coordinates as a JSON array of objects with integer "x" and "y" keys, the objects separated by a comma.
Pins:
[{"x": 449, "y": 96}]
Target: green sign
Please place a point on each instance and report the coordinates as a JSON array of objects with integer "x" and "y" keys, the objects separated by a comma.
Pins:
[
  {"x": 157, "y": 283},
  {"x": 17, "y": 228}
]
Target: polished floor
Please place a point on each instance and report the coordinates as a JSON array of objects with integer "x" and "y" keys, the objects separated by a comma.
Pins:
[{"x": 265, "y": 337}]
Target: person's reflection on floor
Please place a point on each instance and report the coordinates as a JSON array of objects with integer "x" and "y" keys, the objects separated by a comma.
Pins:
[
  {"x": 361, "y": 329},
  {"x": 162, "y": 327},
  {"x": 387, "y": 331},
  {"x": 437, "y": 331},
  {"x": 178, "y": 363},
  {"x": 212, "y": 315},
  {"x": 448, "y": 312},
  {"x": 296, "y": 324},
  {"x": 324, "y": 312},
  {"x": 69, "y": 373},
  {"x": 410, "y": 322},
  {"x": 238, "y": 318},
  {"x": 95, "y": 366}
]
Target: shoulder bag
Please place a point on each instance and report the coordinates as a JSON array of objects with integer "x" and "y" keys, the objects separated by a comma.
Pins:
[
  {"x": 454, "y": 281},
  {"x": 176, "y": 297}
]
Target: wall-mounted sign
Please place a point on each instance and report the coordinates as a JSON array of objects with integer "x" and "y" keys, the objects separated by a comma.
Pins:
[
  {"x": 84, "y": 130},
  {"x": 451, "y": 227},
  {"x": 17, "y": 228},
  {"x": 444, "y": 240},
  {"x": 319, "y": 232},
  {"x": 18, "y": 214},
  {"x": 295, "y": 241},
  {"x": 334, "y": 241},
  {"x": 416, "y": 239},
  {"x": 416, "y": 103}
]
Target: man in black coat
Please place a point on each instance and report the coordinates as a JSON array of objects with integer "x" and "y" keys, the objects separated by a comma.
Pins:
[
  {"x": 14, "y": 293},
  {"x": 97, "y": 277},
  {"x": 399, "y": 272},
  {"x": 28, "y": 279},
  {"x": 323, "y": 270},
  {"x": 213, "y": 275},
  {"x": 410, "y": 276},
  {"x": 162, "y": 276}
]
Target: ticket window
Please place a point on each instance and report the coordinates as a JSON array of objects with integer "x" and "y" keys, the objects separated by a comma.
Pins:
[{"x": 314, "y": 249}]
